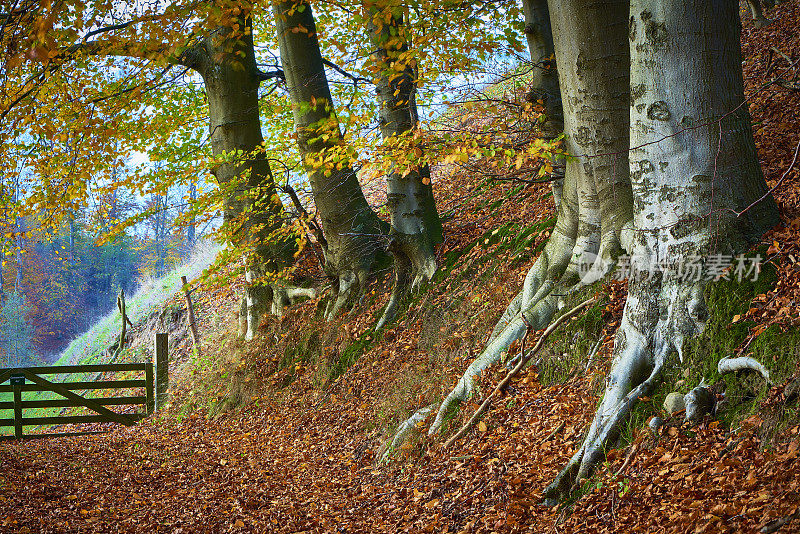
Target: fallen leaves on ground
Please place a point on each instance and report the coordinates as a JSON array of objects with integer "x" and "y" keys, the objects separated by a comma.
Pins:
[{"x": 304, "y": 460}]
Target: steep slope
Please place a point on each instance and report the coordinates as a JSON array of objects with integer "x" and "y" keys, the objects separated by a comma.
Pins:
[{"x": 304, "y": 411}]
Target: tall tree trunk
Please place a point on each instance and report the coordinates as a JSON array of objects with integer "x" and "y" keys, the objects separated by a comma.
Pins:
[
  {"x": 416, "y": 227},
  {"x": 252, "y": 209},
  {"x": 354, "y": 235},
  {"x": 225, "y": 58},
  {"x": 697, "y": 189},
  {"x": 597, "y": 194},
  {"x": 544, "y": 83}
]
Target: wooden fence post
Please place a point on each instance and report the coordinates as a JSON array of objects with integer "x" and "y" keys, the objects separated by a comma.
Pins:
[
  {"x": 192, "y": 323},
  {"x": 162, "y": 368},
  {"x": 150, "y": 400},
  {"x": 16, "y": 383}
]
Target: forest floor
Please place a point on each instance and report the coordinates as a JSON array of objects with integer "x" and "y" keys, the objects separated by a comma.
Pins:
[{"x": 312, "y": 405}]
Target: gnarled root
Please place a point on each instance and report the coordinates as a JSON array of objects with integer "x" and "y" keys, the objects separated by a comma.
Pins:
[
  {"x": 699, "y": 403},
  {"x": 759, "y": 20},
  {"x": 283, "y": 296},
  {"x": 405, "y": 429},
  {"x": 343, "y": 289},
  {"x": 414, "y": 265},
  {"x": 260, "y": 298},
  {"x": 547, "y": 283},
  {"x": 658, "y": 316},
  {"x": 742, "y": 363},
  {"x": 533, "y": 307},
  {"x": 537, "y": 316}
]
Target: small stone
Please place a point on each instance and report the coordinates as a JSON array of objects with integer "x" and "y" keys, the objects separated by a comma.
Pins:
[
  {"x": 655, "y": 423},
  {"x": 699, "y": 402},
  {"x": 674, "y": 403}
]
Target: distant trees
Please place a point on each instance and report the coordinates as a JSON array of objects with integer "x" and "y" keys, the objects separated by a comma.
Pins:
[
  {"x": 16, "y": 332},
  {"x": 153, "y": 97},
  {"x": 69, "y": 279}
]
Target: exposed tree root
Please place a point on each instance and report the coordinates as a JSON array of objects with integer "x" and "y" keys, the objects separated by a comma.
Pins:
[
  {"x": 776, "y": 524},
  {"x": 341, "y": 293},
  {"x": 742, "y": 363},
  {"x": 405, "y": 429},
  {"x": 533, "y": 307},
  {"x": 658, "y": 315},
  {"x": 414, "y": 265},
  {"x": 266, "y": 298},
  {"x": 523, "y": 360},
  {"x": 283, "y": 296},
  {"x": 759, "y": 20},
  {"x": 699, "y": 402}
]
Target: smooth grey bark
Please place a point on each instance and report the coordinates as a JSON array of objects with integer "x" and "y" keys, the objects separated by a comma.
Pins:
[
  {"x": 354, "y": 235},
  {"x": 415, "y": 223},
  {"x": 596, "y": 204},
  {"x": 697, "y": 189},
  {"x": 691, "y": 186},
  {"x": 252, "y": 210},
  {"x": 544, "y": 85}
]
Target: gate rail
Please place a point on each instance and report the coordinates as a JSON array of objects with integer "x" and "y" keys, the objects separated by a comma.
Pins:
[{"x": 23, "y": 379}]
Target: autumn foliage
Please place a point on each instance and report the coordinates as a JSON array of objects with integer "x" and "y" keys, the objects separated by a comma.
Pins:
[{"x": 309, "y": 405}]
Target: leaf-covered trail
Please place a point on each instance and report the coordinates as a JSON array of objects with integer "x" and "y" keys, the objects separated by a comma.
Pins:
[
  {"x": 305, "y": 461},
  {"x": 293, "y": 468}
]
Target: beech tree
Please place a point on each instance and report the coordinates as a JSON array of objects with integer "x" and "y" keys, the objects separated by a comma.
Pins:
[
  {"x": 355, "y": 239},
  {"x": 353, "y": 233},
  {"x": 664, "y": 169},
  {"x": 216, "y": 40},
  {"x": 544, "y": 81},
  {"x": 416, "y": 227},
  {"x": 219, "y": 47},
  {"x": 226, "y": 60}
]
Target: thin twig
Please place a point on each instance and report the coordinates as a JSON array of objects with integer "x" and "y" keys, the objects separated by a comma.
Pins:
[
  {"x": 522, "y": 362},
  {"x": 627, "y": 461},
  {"x": 555, "y": 431},
  {"x": 778, "y": 183}
]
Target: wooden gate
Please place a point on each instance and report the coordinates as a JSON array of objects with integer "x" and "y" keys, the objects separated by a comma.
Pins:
[{"x": 30, "y": 380}]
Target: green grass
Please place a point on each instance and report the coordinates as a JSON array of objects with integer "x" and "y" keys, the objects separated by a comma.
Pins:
[
  {"x": 91, "y": 346},
  {"x": 566, "y": 351}
]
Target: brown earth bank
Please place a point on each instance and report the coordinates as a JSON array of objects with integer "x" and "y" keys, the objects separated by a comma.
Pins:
[{"x": 313, "y": 404}]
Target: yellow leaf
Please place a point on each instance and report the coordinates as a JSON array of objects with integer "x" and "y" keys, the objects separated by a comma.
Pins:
[{"x": 482, "y": 427}]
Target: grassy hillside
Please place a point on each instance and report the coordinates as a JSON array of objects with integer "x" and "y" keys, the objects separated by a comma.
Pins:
[{"x": 91, "y": 347}]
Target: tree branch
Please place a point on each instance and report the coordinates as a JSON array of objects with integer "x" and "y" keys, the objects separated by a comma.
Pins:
[
  {"x": 269, "y": 75},
  {"x": 524, "y": 359},
  {"x": 340, "y": 70}
]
